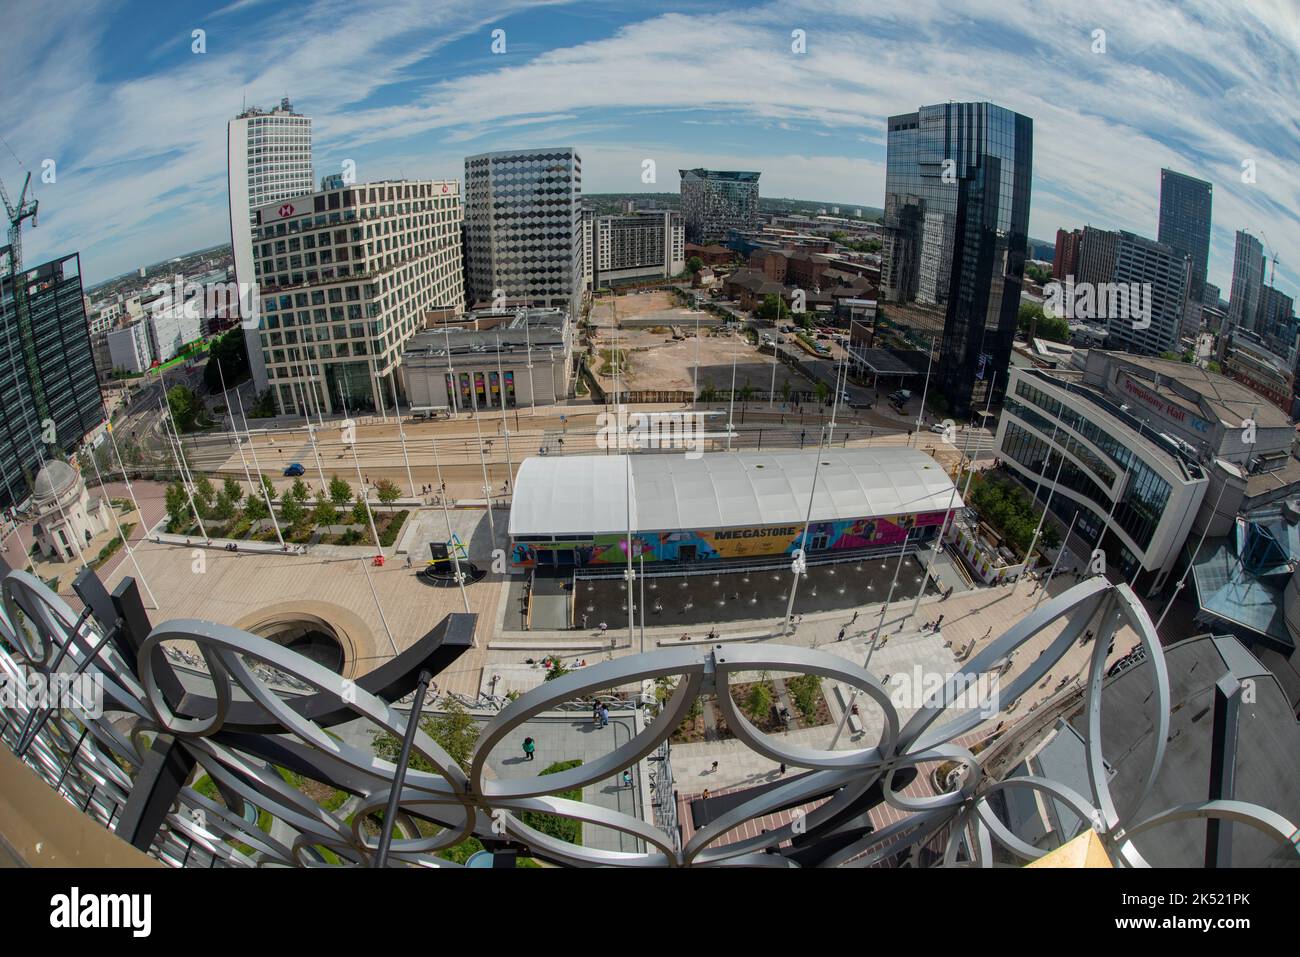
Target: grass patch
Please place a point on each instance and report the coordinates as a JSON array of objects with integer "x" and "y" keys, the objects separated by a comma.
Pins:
[{"x": 563, "y": 828}]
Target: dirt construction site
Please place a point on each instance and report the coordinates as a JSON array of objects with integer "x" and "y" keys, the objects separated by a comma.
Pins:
[{"x": 664, "y": 357}]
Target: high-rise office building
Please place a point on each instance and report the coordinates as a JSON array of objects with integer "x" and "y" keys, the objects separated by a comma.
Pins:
[
  {"x": 643, "y": 245},
  {"x": 956, "y": 224},
  {"x": 1185, "y": 204},
  {"x": 714, "y": 202},
  {"x": 524, "y": 226},
  {"x": 1247, "y": 280},
  {"x": 346, "y": 276},
  {"x": 48, "y": 386},
  {"x": 1276, "y": 324},
  {"x": 1158, "y": 272},
  {"x": 1097, "y": 250},
  {"x": 269, "y": 159},
  {"x": 1066, "y": 260}
]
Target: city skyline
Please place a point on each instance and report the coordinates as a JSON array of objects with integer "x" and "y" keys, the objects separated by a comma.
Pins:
[{"x": 141, "y": 175}]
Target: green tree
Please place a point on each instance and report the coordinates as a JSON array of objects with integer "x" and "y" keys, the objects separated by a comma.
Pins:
[
  {"x": 292, "y": 511},
  {"x": 758, "y": 702},
  {"x": 186, "y": 407},
  {"x": 1034, "y": 323},
  {"x": 299, "y": 490},
  {"x": 255, "y": 508},
  {"x": 340, "y": 491},
  {"x": 204, "y": 492},
  {"x": 746, "y": 393},
  {"x": 269, "y": 486},
  {"x": 325, "y": 513},
  {"x": 361, "y": 512},
  {"x": 232, "y": 489},
  {"x": 822, "y": 390},
  {"x": 773, "y": 308},
  {"x": 454, "y": 730},
  {"x": 785, "y": 390},
  {"x": 177, "y": 503},
  {"x": 388, "y": 492},
  {"x": 228, "y": 358},
  {"x": 694, "y": 265},
  {"x": 225, "y": 507}
]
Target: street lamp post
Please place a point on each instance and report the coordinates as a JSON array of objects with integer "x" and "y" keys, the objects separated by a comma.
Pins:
[
  {"x": 442, "y": 497},
  {"x": 401, "y": 434},
  {"x": 943, "y": 528},
  {"x": 799, "y": 562}
]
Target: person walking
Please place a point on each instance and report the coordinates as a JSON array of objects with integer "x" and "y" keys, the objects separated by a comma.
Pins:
[
  {"x": 854, "y": 619},
  {"x": 841, "y": 634},
  {"x": 938, "y": 624},
  {"x": 604, "y": 715},
  {"x": 529, "y": 747},
  {"x": 627, "y": 779},
  {"x": 595, "y": 713}
]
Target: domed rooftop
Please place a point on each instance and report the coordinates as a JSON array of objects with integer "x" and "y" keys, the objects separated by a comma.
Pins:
[{"x": 53, "y": 479}]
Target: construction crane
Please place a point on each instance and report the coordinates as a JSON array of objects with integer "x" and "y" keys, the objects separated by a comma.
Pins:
[
  {"x": 1272, "y": 276},
  {"x": 25, "y": 209}
]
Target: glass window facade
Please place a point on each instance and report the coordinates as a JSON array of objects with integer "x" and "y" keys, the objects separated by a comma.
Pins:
[
  {"x": 47, "y": 371},
  {"x": 523, "y": 225},
  {"x": 1185, "y": 223},
  {"x": 957, "y": 187},
  {"x": 1145, "y": 493}
]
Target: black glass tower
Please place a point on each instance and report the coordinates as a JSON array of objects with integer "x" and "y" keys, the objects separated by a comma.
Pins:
[
  {"x": 957, "y": 188},
  {"x": 1185, "y": 223},
  {"x": 48, "y": 386}
]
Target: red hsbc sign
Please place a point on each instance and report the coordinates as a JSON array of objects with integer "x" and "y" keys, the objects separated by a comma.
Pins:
[{"x": 284, "y": 209}]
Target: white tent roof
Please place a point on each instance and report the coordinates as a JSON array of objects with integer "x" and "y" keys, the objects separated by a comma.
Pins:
[{"x": 587, "y": 494}]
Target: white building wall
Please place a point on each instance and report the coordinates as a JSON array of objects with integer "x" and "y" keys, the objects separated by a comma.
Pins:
[{"x": 269, "y": 159}]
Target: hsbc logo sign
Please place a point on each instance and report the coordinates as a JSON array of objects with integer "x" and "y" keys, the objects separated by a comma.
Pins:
[{"x": 284, "y": 209}]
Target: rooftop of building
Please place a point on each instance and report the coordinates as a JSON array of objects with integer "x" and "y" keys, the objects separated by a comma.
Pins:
[
  {"x": 744, "y": 176},
  {"x": 1165, "y": 448},
  {"x": 510, "y": 330},
  {"x": 1267, "y": 729},
  {"x": 589, "y": 494},
  {"x": 1231, "y": 401}
]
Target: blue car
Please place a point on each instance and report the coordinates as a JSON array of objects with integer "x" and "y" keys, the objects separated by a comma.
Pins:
[{"x": 295, "y": 469}]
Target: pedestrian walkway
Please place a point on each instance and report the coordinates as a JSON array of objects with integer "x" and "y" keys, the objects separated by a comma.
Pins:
[{"x": 578, "y": 737}]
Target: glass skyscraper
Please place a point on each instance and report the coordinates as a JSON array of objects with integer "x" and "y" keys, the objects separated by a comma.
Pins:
[
  {"x": 714, "y": 202},
  {"x": 48, "y": 386},
  {"x": 1247, "y": 280},
  {"x": 1185, "y": 223},
  {"x": 957, "y": 191}
]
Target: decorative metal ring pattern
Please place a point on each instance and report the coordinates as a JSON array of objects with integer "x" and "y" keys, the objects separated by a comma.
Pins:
[{"x": 94, "y": 762}]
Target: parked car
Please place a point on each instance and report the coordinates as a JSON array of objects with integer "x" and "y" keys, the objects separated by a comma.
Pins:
[{"x": 294, "y": 470}]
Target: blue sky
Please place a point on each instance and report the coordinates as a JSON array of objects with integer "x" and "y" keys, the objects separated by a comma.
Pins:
[{"x": 135, "y": 121}]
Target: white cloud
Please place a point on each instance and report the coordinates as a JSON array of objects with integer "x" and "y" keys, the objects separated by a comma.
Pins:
[{"x": 1197, "y": 86}]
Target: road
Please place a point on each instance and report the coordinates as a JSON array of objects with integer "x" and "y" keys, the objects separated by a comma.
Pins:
[{"x": 379, "y": 452}]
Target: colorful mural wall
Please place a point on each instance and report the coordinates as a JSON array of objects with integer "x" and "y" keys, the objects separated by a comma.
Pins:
[{"x": 692, "y": 546}]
